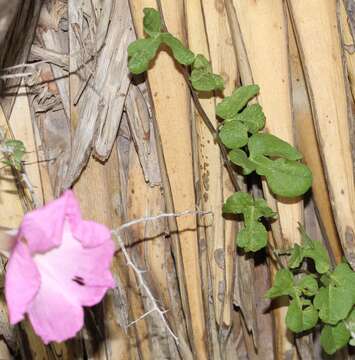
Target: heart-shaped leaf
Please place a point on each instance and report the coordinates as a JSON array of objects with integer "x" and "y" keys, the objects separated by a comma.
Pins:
[
  {"x": 252, "y": 237},
  {"x": 270, "y": 145},
  {"x": 203, "y": 80},
  {"x": 252, "y": 117},
  {"x": 230, "y": 106},
  {"x": 333, "y": 338},
  {"x": 285, "y": 177},
  {"x": 181, "y": 54},
  {"x": 151, "y": 22},
  {"x": 334, "y": 303},
  {"x": 300, "y": 319},
  {"x": 283, "y": 284},
  {"x": 141, "y": 52},
  {"x": 240, "y": 158},
  {"x": 234, "y": 134}
]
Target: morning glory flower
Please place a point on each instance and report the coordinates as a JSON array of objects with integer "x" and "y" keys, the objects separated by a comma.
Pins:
[{"x": 59, "y": 263}]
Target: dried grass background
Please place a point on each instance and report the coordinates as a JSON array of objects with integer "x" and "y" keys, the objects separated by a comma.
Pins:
[{"x": 136, "y": 147}]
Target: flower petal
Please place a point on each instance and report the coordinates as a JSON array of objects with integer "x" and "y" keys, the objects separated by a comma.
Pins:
[
  {"x": 53, "y": 315},
  {"x": 42, "y": 228},
  {"x": 22, "y": 282},
  {"x": 91, "y": 234}
]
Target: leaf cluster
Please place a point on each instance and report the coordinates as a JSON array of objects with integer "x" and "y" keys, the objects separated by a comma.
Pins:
[
  {"x": 253, "y": 236},
  {"x": 269, "y": 156},
  {"x": 142, "y": 51},
  {"x": 325, "y": 295}
]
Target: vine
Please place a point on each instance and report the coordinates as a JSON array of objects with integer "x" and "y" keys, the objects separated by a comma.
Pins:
[{"x": 315, "y": 292}]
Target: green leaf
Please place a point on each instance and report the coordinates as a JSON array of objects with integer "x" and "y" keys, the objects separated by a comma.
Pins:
[
  {"x": 252, "y": 117},
  {"x": 16, "y": 148},
  {"x": 6, "y": 162},
  {"x": 240, "y": 158},
  {"x": 238, "y": 203},
  {"x": 333, "y": 338},
  {"x": 300, "y": 319},
  {"x": 325, "y": 279},
  {"x": 283, "y": 284},
  {"x": 234, "y": 134},
  {"x": 151, "y": 22},
  {"x": 141, "y": 52},
  {"x": 345, "y": 277},
  {"x": 337, "y": 299},
  {"x": 252, "y": 237},
  {"x": 262, "y": 209},
  {"x": 296, "y": 257},
  {"x": 201, "y": 62},
  {"x": 312, "y": 249},
  {"x": 15, "y": 145},
  {"x": 243, "y": 203},
  {"x": 181, "y": 54},
  {"x": 316, "y": 251},
  {"x": 230, "y": 106},
  {"x": 270, "y": 145},
  {"x": 15, "y": 152},
  {"x": 308, "y": 285},
  {"x": 203, "y": 80},
  {"x": 334, "y": 303},
  {"x": 350, "y": 325},
  {"x": 285, "y": 177}
]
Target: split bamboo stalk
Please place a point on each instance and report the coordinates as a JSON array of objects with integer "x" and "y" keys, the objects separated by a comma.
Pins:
[
  {"x": 224, "y": 63},
  {"x": 4, "y": 351},
  {"x": 53, "y": 37},
  {"x": 21, "y": 125},
  {"x": 268, "y": 61},
  {"x": 170, "y": 96},
  {"x": 102, "y": 180},
  {"x": 8, "y": 13},
  {"x": 97, "y": 65},
  {"x": 261, "y": 39},
  {"x": 16, "y": 47},
  {"x": 143, "y": 201},
  {"x": 48, "y": 91},
  {"x": 307, "y": 142},
  {"x": 99, "y": 181},
  {"x": 48, "y": 97},
  {"x": 148, "y": 199},
  {"x": 12, "y": 209},
  {"x": 210, "y": 167},
  {"x": 320, "y": 49},
  {"x": 348, "y": 45},
  {"x": 134, "y": 301},
  {"x": 347, "y": 25},
  {"x": 133, "y": 201}
]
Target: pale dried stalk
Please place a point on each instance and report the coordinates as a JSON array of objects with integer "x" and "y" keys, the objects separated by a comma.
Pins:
[
  {"x": 13, "y": 76},
  {"x": 32, "y": 65}
]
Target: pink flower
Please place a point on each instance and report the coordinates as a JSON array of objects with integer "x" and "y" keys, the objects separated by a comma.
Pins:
[{"x": 58, "y": 264}]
